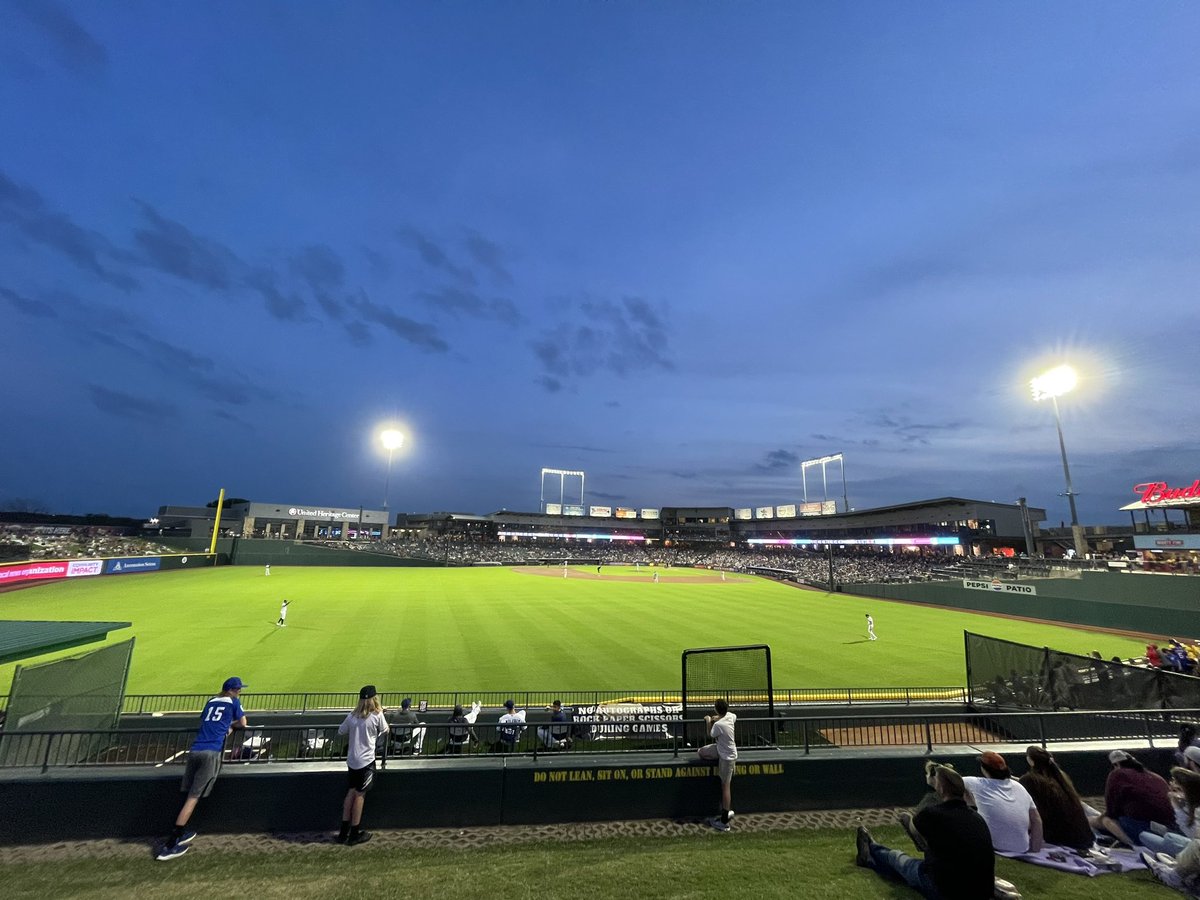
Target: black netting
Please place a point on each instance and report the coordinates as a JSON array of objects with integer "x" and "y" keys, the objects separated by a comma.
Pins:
[
  {"x": 742, "y": 675},
  {"x": 1018, "y": 676},
  {"x": 80, "y": 693}
]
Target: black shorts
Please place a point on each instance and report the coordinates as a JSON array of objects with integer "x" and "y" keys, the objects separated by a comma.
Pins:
[{"x": 361, "y": 779}]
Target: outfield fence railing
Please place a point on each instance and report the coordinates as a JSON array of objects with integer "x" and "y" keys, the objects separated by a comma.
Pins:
[
  {"x": 433, "y": 741},
  {"x": 317, "y": 701}
]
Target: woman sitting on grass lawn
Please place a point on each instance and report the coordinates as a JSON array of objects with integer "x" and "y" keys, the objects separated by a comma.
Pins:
[
  {"x": 1064, "y": 821},
  {"x": 1185, "y": 797}
]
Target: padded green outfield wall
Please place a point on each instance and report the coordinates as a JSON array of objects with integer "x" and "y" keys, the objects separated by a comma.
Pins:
[
  {"x": 260, "y": 552},
  {"x": 1155, "y": 604}
]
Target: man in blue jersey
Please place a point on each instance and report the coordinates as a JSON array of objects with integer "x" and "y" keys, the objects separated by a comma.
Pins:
[{"x": 222, "y": 714}]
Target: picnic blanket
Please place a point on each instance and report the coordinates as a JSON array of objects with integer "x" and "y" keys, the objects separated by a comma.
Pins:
[{"x": 1094, "y": 862}]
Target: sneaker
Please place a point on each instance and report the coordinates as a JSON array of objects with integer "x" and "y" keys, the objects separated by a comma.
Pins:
[
  {"x": 862, "y": 843},
  {"x": 717, "y": 825},
  {"x": 1165, "y": 858},
  {"x": 186, "y": 838},
  {"x": 729, "y": 814},
  {"x": 1166, "y": 874},
  {"x": 171, "y": 851},
  {"x": 361, "y": 838}
]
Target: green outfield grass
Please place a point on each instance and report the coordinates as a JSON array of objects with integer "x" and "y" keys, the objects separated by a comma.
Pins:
[
  {"x": 812, "y": 864},
  {"x": 413, "y": 629}
]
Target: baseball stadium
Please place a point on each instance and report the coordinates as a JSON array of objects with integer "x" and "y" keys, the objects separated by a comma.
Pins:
[{"x": 588, "y": 644}]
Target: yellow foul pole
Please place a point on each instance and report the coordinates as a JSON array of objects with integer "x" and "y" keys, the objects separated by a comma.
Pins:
[{"x": 212, "y": 548}]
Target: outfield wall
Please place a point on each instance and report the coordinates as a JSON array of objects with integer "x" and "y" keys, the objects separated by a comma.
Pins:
[
  {"x": 1155, "y": 604},
  {"x": 510, "y": 791},
  {"x": 260, "y": 552}
]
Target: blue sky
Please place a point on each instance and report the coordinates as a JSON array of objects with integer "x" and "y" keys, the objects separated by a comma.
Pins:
[{"x": 678, "y": 246}]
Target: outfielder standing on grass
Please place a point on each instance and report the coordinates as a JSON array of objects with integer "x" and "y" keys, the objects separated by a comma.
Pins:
[
  {"x": 364, "y": 726},
  {"x": 871, "y": 628},
  {"x": 724, "y": 752},
  {"x": 222, "y": 714},
  {"x": 283, "y": 614}
]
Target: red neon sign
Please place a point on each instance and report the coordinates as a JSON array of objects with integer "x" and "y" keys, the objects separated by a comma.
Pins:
[{"x": 1158, "y": 492}]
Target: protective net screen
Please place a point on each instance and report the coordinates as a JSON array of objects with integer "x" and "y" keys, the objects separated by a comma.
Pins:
[
  {"x": 742, "y": 675},
  {"x": 78, "y": 693},
  {"x": 1008, "y": 675}
]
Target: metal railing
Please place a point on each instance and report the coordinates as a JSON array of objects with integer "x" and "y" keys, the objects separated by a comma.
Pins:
[
  {"x": 142, "y": 704},
  {"x": 44, "y": 750}
]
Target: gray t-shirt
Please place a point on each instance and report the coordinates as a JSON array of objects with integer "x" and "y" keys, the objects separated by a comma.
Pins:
[{"x": 363, "y": 734}]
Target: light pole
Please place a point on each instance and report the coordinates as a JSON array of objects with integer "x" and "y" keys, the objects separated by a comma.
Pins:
[
  {"x": 392, "y": 441},
  {"x": 1050, "y": 386}
]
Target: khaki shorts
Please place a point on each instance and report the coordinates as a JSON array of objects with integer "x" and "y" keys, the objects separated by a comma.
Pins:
[
  {"x": 724, "y": 766},
  {"x": 203, "y": 767}
]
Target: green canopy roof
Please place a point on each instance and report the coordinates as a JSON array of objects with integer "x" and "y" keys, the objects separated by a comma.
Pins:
[{"x": 23, "y": 639}]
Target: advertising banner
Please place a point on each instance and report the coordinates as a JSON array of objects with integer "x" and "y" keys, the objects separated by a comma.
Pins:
[
  {"x": 649, "y": 513},
  {"x": 19, "y": 572},
  {"x": 77, "y": 568},
  {"x": 787, "y": 511},
  {"x": 624, "y": 512},
  {"x": 742, "y": 514},
  {"x": 600, "y": 512},
  {"x": 554, "y": 509},
  {"x": 132, "y": 564},
  {"x": 764, "y": 512},
  {"x": 1000, "y": 587},
  {"x": 1165, "y": 542},
  {"x": 572, "y": 510}
]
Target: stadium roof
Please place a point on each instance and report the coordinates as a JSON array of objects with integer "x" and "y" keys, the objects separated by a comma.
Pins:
[{"x": 23, "y": 639}]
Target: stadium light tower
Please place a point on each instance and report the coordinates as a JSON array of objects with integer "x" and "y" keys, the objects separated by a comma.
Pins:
[
  {"x": 392, "y": 441},
  {"x": 1050, "y": 386}
]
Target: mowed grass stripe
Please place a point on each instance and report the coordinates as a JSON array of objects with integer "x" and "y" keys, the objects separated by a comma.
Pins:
[{"x": 486, "y": 629}]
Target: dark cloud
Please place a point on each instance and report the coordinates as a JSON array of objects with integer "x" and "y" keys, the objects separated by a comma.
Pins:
[
  {"x": 611, "y": 498},
  {"x": 322, "y": 270},
  {"x": 577, "y": 447},
  {"x": 434, "y": 256},
  {"x": 420, "y": 334},
  {"x": 27, "y": 306},
  {"x": 488, "y": 255},
  {"x": 621, "y": 338},
  {"x": 175, "y": 363},
  {"x": 381, "y": 266},
  {"x": 458, "y": 301},
  {"x": 777, "y": 461},
  {"x": 549, "y": 384},
  {"x": 283, "y": 306},
  {"x": 25, "y": 210},
  {"x": 359, "y": 333},
  {"x": 127, "y": 406},
  {"x": 73, "y": 44},
  {"x": 686, "y": 476},
  {"x": 172, "y": 247}
]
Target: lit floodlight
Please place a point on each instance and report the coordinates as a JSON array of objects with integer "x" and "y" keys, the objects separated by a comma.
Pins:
[
  {"x": 1054, "y": 383},
  {"x": 392, "y": 439}
]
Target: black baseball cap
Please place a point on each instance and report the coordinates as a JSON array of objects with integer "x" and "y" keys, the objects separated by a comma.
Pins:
[{"x": 367, "y": 691}]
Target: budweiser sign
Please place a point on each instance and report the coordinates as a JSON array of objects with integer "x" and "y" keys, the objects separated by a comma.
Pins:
[{"x": 1159, "y": 492}]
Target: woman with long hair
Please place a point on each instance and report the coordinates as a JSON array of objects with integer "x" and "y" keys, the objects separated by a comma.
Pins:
[
  {"x": 364, "y": 726},
  {"x": 1185, "y": 797},
  {"x": 1064, "y": 821}
]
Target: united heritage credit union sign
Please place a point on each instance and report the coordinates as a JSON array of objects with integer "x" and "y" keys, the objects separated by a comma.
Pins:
[
  {"x": 341, "y": 515},
  {"x": 1000, "y": 587}
]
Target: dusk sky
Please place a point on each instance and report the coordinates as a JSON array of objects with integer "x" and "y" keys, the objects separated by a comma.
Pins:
[{"x": 679, "y": 246}]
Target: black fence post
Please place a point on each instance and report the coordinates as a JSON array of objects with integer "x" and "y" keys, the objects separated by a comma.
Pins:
[
  {"x": 804, "y": 722},
  {"x": 928, "y": 737},
  {"x": 1041, "y": 720}
]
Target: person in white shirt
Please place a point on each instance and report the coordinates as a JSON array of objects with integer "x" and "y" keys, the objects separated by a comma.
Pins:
[
  {"x": 724, "y": 751},
  {"x": 509, "y": 728},
  {"x": 1006, "y": 806},
  {"x": 282, "y": 620},
  {"x": 871, "y": 627},
  {"x": 268, "y": 569},
  {"x": 364, "y": 726}
]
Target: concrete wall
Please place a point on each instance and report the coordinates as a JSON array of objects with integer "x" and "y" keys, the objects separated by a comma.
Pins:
[
  {"x": 252, "y": 552},
  {"x": 443, "y": 793}
]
